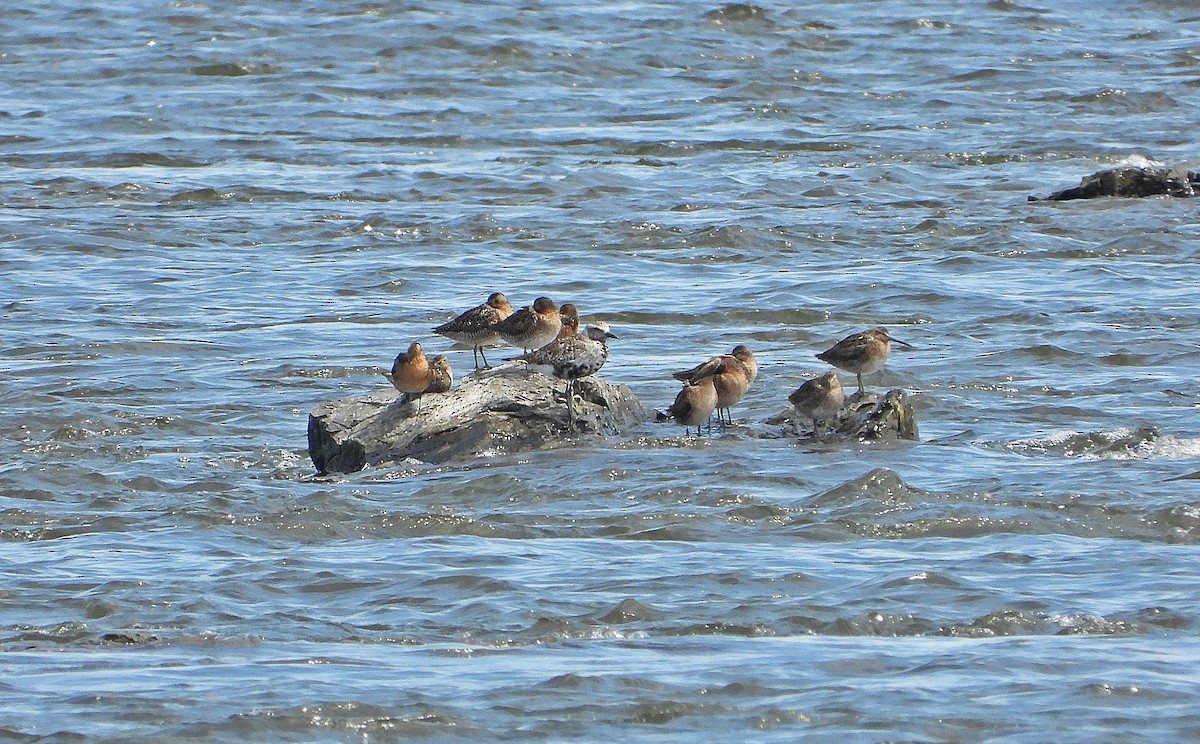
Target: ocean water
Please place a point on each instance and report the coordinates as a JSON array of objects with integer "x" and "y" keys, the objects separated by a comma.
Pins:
[{"x": 219, "y": 214}]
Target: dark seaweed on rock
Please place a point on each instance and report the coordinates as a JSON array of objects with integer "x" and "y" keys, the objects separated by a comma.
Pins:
[{"x": 1131, "y": 182}]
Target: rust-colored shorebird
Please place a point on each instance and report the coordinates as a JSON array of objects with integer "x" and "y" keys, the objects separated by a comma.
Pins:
[
  {"x": 695, "y": 403},
  {"x": 531, "y": 327},
  {"x": 477, "y": 325},
  {"x": 861, "y": 353},
  {"x": 732, "y": 374},
  {"x": 819, "y": 399},
  {"x": 572, "y": 358},
  {"x": 411, "y": 373},
  {"x": 568, "y": 315}
]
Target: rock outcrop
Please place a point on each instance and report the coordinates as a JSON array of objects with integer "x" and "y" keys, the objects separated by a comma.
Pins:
[
  {"x": 504, "y": 412},
  {"x": 1132, "y": 182},
  {"x": 869, "y": 417}
]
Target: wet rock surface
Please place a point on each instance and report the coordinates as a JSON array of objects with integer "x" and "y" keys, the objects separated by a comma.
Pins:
[
  {"x": 867, "y": 417},
  {"x": 498, "y": 414},
  {"x": 1131, "y": 182}
]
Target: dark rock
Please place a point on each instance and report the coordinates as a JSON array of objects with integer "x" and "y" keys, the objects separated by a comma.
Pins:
[
  {"x": 867, "y": 417},
  {"x": 1132, "y": 182},
  {"x": 501, "y": 413},
  {"x": 128, "y": 638}
]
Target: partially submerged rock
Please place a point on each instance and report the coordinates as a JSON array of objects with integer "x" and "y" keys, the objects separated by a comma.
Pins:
[
  {"x": 1132, "y": 182},
  {"x": 506, "y": 412},
  {"x": 867, "y": 417}
]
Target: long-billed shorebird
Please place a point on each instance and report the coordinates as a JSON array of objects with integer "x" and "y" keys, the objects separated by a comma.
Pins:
[
  {"x": 861, "y": 353},
  {"x": 411, "y": 374},
  {"x": 572, "y": 358},
  {"x": 732, "y": 374},
  {"x": 531, "y": 327},
  {"x": 694, "y": 404},
  {"x": 477, "y": 325},
  {"x": 819, "y": 399}
]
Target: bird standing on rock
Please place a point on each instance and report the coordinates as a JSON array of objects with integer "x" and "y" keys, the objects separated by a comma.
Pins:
[
  {"x": 572, "y": 358},
  {"x": 732, "y": 374},
  {"x": 477, "y": 325},
  {"x": 694, "y": 404},
  {"x": 819, "y": 399},
  {"x": 531, "y": 327},
  {"x": 443, "y": 376},
  {"x": 411, "y": 374},
  {"x": 861, "y": 353}
]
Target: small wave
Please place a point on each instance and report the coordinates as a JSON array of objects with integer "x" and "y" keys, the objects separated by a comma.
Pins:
[
  {"x": 739, "y": 13},
  {"x": 1119, "y": 444},
  {"x": 233, "y": 69}
]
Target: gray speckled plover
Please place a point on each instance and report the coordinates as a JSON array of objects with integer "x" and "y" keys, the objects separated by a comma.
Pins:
[{"x": 572, "y": 357}]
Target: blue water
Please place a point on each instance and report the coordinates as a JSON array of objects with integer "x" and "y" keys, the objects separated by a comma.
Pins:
[{"x": 217, "y": 215}]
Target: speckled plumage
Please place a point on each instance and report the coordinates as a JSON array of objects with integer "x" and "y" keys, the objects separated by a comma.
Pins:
[
  {"x": 443, "y": 377},
  {"x": 477, "y": 325},
  {"x": 572, "y": 357}
]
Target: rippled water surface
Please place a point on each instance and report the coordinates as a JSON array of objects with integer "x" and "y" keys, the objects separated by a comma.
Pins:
[{"x": 218, "y": 214}]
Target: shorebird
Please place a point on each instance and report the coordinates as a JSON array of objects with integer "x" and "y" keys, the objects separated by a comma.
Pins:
[
  {"x": 531, "y": 327},
  {"x": 743, "y": 354},
  {"x": 819, "y": 399},
  {"x": 411, "y": 373},
  {"x": 476, "y": 326},
  {"x": 861, "y": 353},
  {"x": 732, "y": 374},
  {"x": 571, "y": 358},
  {"x": 443, "y": 376},
  {"x": 694, "y": 404},
  {"x": 569, "y": 316}
]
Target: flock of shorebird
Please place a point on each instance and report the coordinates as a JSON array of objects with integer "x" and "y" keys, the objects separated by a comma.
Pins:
[{"x": 554, "y": 345}]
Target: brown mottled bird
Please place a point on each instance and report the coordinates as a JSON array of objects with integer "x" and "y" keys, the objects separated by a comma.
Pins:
[
  {"x": 861, "y": 353},
  {"x": 443, "y": 376},
  {"x": 819, "y": 399},
  {"x": 531, "y": 327},
  {"x": 411, "y": 374},
  {"x": 477, "y": 325},
  {"x": 694, "y": 404},
  {"x": 732, "y": 374}
]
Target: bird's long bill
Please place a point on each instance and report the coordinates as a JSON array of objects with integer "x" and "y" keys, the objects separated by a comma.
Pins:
[{"x": 895, "y": 340}]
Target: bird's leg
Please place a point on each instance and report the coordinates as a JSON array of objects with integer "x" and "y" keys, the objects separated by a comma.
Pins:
[
  {"x": 860, "y": 385},
  {"x": 570, "y": 405},
  {"x": 485, "y": 361}
]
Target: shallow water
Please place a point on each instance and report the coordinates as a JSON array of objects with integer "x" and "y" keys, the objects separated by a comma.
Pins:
[{"x": 217, "y": 215}]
